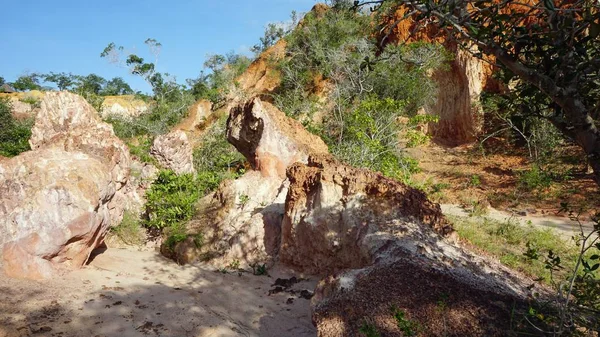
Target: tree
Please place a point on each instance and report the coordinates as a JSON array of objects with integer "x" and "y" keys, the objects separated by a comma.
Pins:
[
  {"x": 63, "y": 81},
  {"x": 27, "y": 82},
  {"x": 550, "y": 49},
  {"x": 90, "y": 84},
  {"x": 117, "y": 86},
  {"x": 2, "y": 80}
]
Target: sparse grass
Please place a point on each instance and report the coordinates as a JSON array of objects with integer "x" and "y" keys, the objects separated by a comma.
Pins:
[
  {"x": 140, "y": 149},
  {"x": 406, "y": 325},
  {"x": 368, "y": 329},
  {"x": 509, "y": 241},
  {"x": 130, "y": 230}
]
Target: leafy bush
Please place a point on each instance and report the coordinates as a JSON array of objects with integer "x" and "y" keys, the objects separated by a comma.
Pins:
[
  {"x": 14, "y": 134},
  {"x": 534, "y": 178},
  {"x": 171, "y": 199},
  {"x": 369, "y": 88},
  {"x": 215, "y": 158}
]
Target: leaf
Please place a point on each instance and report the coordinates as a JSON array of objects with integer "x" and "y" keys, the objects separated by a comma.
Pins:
[
  {"x": 595, "y": 257},
  {"x": 594, "y": 267}
]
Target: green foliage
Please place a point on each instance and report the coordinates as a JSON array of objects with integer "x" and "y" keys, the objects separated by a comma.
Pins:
[
  {"x": 215, "y": 158},
  {"x": 129, "y": 230},
  {"x": 27, "y": 82},
  {"x": 139, "y": 148},
  {"x": 369, "y": 329},
  {"x": 407, "y": 326},
  {"x": 475, "y": 180},
  {"x": 370, "y": 138},
  {"x": 218, "y": 77},
  {"x": 31, "y": 100},
  {"x": 259, "y": 269},
  {"x": 370, "y": 88},
  {"x": 534, "y": 178},
  {"x": 171, "y": 199},
  {"x": 14, "y": 134},
  {"x": 117, "y": 86},
  {"x": 173, "y": 239}
]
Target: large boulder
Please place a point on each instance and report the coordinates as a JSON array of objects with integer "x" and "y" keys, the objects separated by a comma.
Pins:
[
  {"x": 59, "y": 199},
  {"x": 69, "y": 122},
  {"x": 174, "y": 152},
  {"x": 386, "y": 245},
  {"x": 242, "y": 219},
  {"x": 53, "y": 210},
  {"x": 269, "y": 139}
]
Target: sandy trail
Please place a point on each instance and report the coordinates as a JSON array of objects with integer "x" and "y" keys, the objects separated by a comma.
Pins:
[
  {"x": 124, "y": 292},
  {"x": 562, "y": 226}
]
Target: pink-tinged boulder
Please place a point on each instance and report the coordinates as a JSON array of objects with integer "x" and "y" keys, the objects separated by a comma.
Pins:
[
  {"x": 174, "y": 152},
  {"x": 53, "y": 211},
  {"x": 269, "y": 139},
  {"x": 69, "y": 122},
  {"x": 59, "y": 199}
]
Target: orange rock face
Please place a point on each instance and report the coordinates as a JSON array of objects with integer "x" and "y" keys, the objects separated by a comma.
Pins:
[{"x": 460, "y": 118}]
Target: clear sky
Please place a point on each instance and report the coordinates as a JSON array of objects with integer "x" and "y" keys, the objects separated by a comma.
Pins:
[{"x": 69, "y": 35}]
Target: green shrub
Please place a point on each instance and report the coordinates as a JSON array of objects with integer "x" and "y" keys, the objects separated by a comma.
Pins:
[
  {"x": 31, "y": 100},
  {"x": 140, "y": 149},
  {"x": 534, "y": 178},
  {"x": 14, "y": 134},
  {"x": 171, "y": 199}
]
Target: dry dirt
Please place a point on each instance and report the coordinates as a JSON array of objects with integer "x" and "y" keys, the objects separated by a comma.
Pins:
[
  {"x": 498, "y": 180},
  {"x": 126, "y": 292}
]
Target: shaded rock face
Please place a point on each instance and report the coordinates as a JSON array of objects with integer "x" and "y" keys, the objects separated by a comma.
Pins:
[
  {"x": 268, "y": 139},
  {"x": 174, "y": 152},
  {"x": 53, "y": 211},
  {"x": 59, "y": 199},
  {"x": 240, "y": 221}
]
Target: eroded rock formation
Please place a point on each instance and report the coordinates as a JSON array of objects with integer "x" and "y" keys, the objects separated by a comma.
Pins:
[
  {"x": 242, "y": 219},
  {"x": 173, "y": 151},
  {"x": 53, "y": 210},
  {"x": 268, "y": 139},
  {"x": 386, "y": 245},
  {"x": 59, "y": 199},
  {"x": 123, "y": 106}
]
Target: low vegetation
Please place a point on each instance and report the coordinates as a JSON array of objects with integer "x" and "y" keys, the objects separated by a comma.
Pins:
[
  {"x": 369, "y": 88},
  {"x": 14, "y": 133}
]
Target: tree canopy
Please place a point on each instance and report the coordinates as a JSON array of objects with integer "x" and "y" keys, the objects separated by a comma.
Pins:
[{"x": 549, "y": 50}]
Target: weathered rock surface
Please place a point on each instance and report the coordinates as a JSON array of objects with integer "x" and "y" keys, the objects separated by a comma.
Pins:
[
  {"x": 173, "y": 151},
  {"x": 123, "y": 106},
  {"x": 198, "y": 115},
  {"x": 332, "y": 208},
  {"x": 389, "y": 246},
  {"x": 242, "y": 219},
  {"x": 53, "y": 210},
  {"x": 60, "y": 198},
  {"x": 268, "y": 139},
  {"x": 69, "y": 122}
]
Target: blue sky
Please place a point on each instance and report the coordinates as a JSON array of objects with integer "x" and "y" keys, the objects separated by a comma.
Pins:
[{"x": 69, "y": 35}]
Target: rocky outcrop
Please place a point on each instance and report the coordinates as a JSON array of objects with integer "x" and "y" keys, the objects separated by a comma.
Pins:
[
  {"x": 459, "y": 86},
  {"x": 198, "y": 115},
  {"x": 59, "y": 199},
  {"x": 174, "y": 152},
  {"x": 69, "y": 122},
  {"x": 123, "y": 106},
  {"x": 242, "y": 219},
  {"x": 331, "y": 209},
  {"x": 268, "y": 139},
  {"x": 386, "y": 245},
  {"x": 53, "y": 210}
]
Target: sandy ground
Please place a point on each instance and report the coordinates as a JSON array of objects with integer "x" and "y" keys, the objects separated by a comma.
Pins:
[
  {"x": 564, "y": 227},
  {"x": 124, "y": 292}
]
